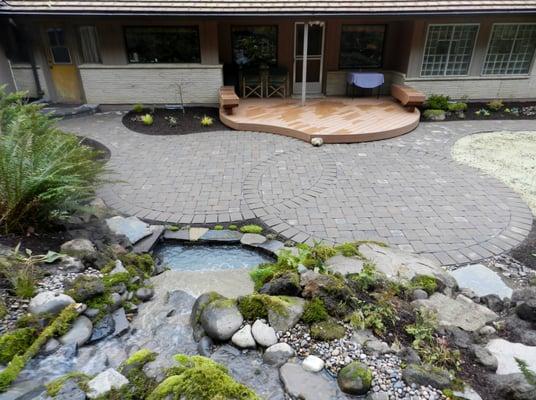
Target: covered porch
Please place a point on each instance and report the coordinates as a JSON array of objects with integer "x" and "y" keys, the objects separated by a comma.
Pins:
[{"x": 334, "y": 119}]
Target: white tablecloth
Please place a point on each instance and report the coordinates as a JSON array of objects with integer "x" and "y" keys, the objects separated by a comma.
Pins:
[{"x": 366, "y": 80}]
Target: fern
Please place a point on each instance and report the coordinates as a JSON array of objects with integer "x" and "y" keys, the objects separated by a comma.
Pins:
[{"x": 529, "y": 375}]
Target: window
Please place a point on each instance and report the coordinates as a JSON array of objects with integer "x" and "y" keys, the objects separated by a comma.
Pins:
[
  {"x": 448, "y": 50},
  {"x": 89, "y": 45},
  {"x": 14, "y": 43},
  {"x": 511, "y": 49},
  {"x": 60, "y": 52},
  {"x": 254, "y": 45},
  {"x": 177, "y": 44},
  {"x": 362, "y": 46}
]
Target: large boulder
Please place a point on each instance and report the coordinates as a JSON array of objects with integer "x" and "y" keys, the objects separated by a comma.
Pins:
[
  {"x": 285, "y": 318},
  {"x": 49, "y": 303},
  {"x": 337, "y": 296},
  {"x": 195, "y": 316},
  {"x": 461, "y": 312},
  {"x": 426, "y": 375},
  {"x": 105, "y": 382},
  {"x": 527, "y": 310},
  {"x": 78, "y": 248},
  {"x": 401, "y": 266},
  {"x": 79, "y": 333},
  {"x": 355, "y": 378},
  {"x": 485, "y": 358},
  {"x": 286, "y": 284},
  {"x": 220, "y": 319},
  {"x": 278, "y": 354}
]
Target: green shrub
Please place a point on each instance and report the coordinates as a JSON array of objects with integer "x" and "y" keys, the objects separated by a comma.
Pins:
[
  {"x": 457, "y": 107},
  {"x": 437, "y": 102},
  {"x": 44, "y": 173},
  {"x": 232, "y": 227},
  {"x": 433, "y": 113},
  {"x": 207, "y": 121},
  {"x": 137, "y": 108},
  {"x": 15, "y": 342},
  {"x": 147, "y": 119},
  {"x": 483, "y": 112},
  {"x": 314, "y": 311},
  {"x": 495, "y": 105},
  {"x": 251, "y": 229},
  {"x": 218, "y": 228}
]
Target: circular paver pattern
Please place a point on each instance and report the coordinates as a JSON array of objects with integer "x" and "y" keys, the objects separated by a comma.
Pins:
[{"x": 405, "y": 191}]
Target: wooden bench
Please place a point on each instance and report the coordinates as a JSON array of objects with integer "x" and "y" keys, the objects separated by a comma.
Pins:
[
  {"x": 228, "y": 99},
  {"x": 407, "y": 96}
]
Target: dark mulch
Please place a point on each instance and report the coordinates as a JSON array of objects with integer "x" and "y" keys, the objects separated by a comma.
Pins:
[
  {"x": 187, "y": 122},
  {"x": 474, "y": 107},
  {"x": 526, "y": 252},
  {"x": 38, "y": 242},
  {"x": 476, "y": 376}
]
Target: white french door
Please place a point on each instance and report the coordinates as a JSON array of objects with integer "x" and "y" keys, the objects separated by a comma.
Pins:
[{"x": 315, "y": 58}]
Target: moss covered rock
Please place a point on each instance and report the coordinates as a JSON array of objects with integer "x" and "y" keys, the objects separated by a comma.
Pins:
[
  {"x": 426, "y": 375},
  {"x": 337, "y": 296},
  {"x": 284, "y": 284},
  {"x": 221, "y": 318},
  {"x": 355, "y": 378},
  {"x": 327, "y": 330},
  {"x": 85, "y": 287}
]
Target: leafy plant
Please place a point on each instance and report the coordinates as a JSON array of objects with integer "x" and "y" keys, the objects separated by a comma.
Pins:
[
  {"x": 137, "y": 108},
  {"x": 147, "y": 119},
  {"x": 424, "y": 327},
  {"x": 44, "y": 173},
  {"x": 172, "y": 121},
  {"x": 457, "y": 107},
  {"x": 232, "y": 227},
  {"x": 349, "y": 250},
  {"x": 529, "y": 375},
  {"x": 218, "y": 227},
  {"x": 495, "y": 105},
  {"x": 483, "y": 112},
  {"x": 425, "y": 282},
  {"x": 437, "y": 102},
  {"x": 367, "y": 278},
  {"x": 251, "y": 229},
  {"x": 376, "y": 316},
  {"x": 207, "y": 121},
  {"x": 433, "y": 114}
]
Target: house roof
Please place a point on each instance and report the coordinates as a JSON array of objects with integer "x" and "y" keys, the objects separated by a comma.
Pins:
[{"x": 266, "y": 7}]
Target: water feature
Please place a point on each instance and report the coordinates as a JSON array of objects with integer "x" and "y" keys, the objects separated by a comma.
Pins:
[{"x": 183, "y": 257}]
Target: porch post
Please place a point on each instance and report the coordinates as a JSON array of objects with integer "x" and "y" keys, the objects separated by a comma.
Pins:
[{"x": 304, "y": 61}]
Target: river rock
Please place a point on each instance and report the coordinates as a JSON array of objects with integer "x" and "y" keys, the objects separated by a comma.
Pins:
[
  {"x": 79, "y": 333},
  {"x": 243, "y": 338},
  {"x": 293, "y": 310},
  {"x": 481, "y": 280},
  {"x": 132, "y": 227},
  {"x": 401, "y": 266},
  {"x": 419, "y": 294},
  {"x": 50, "y": 346},
  {"x": 221, "y": 319},
  {"x": 286, "y": 284},
  {"x": 344, "y": 265},
  {"x": 71, "y": 264},
  {"x": 104, "y": 382},
  {"x": 461, "y": 312},
  {"x": 205, "y": 346},
  {"x": 355, "y": 378},
  {"x": 78, "y": 248},
  {"x": 313, "y": 363},
  {"x": 302, "y": 384},
  {"x": 506, "y": 352},
  {"x": 199, "y": 305},
  {"x": 120, "y": 322},
  {"x": 426, "y": 375},
  {"x": 278, "y": 354},
  {"x": 144, "y": 294},
  {"x": 485, "y": 358},
  {"x": 49, "y": 303},
  {"x": 263, "y": 333},
  {"x": 527, "y": 310},
  {"x": 84, "y": 287},
  {"x": 103, "y": 328}
]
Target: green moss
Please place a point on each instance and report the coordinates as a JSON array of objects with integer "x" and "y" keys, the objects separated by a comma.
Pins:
[
  {"x": 251, "y": 229},
  {"x": 15, "y": 342},
  {"x": 356, "y": 370},
  {"x": 327, "y": 330},
  {"x": 32, "y": 321},
  {"x": 141, "y": 357},
  {"x": 252, "y": 307},
  {"x": 141, "y": 265},
  {"x": 54, "y": 387},
  {"x": 172, "y": 228},
  {"x": 223, "y": 303},
  {"x": 314, "y": 311},
  {"x": 58, "y": 327},
  {"x": 218, "y": 228},
  {"x": 199, "y": 378},
  {"x": 425, "y": 282},
  {"x": 349, "y": 250},
  {"x": 262, "y": 274},
  {"x": 3, "y": 309},
  {"x": 366, "y": 279},
  {"x": 85, "y": 287},
  {"x": 432, "y": 113}
]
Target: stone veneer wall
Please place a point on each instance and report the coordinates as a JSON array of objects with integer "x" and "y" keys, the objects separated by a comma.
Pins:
[
  {"x": 150, "y": 83},
  {"x": 24, "y": 78}
]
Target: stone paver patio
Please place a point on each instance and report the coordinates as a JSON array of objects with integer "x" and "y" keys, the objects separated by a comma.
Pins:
[{"x": 405, "y": 191}]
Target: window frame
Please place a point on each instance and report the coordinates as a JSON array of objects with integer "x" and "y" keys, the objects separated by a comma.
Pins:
[
  {"x": 385, "y": 32},
  {"x": 97, "y": 41},
  {"x": 194, "y": 26},
  {"x": 532, "y": 61},
  {"x": 444, "y": 75},
  {"x": 243, "y": 26},
  {"x": 51, "y": 47}
]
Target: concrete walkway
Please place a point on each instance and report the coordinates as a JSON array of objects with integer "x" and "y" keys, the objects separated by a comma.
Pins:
[{"x": 405, "y": 191}]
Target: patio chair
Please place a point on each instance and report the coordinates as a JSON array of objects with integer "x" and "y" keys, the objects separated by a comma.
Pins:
[
  {"x": 277, "y": 82},
  {"x": 252, "y": 83}
]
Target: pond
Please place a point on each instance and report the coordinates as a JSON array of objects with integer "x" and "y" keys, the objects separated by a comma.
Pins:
[{"x": 184, "y": 257}]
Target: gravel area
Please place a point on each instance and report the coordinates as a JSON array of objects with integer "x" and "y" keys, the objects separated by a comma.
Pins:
[{"x": 508, "y": 156}]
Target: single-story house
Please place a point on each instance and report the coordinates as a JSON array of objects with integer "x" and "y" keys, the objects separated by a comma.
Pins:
[{"x": 159, "y": 51}]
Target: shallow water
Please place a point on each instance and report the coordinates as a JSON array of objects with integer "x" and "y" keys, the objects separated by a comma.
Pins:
[{"x": 209, "y": 257}]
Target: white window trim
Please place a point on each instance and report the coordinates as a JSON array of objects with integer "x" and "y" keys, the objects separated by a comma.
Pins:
[
  {"x": 531, "y": 66},
  {"x": 472, "y": 50}
]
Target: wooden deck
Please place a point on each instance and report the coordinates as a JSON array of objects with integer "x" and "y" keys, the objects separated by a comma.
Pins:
[{"x": 334, "y": 119}]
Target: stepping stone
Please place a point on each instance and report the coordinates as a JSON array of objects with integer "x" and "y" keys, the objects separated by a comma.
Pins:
[
  {"x": 461, "y": 312},
  {"x": 344, "y": 265},
  {"x": 224, "y": 235},
  {"x": 302, "y": 384},
  {"x": 481, "y": 280},
  {"x": 252, "y": 239},
  {"x": 272, "y": 246},
  {"x": 196, "y": 233},
  {"x": 132, "y": 227},
  {"x": 146, "y": 244},
  {"x": 183, "y": 234},
  {"x": 506, "y": 352}
]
